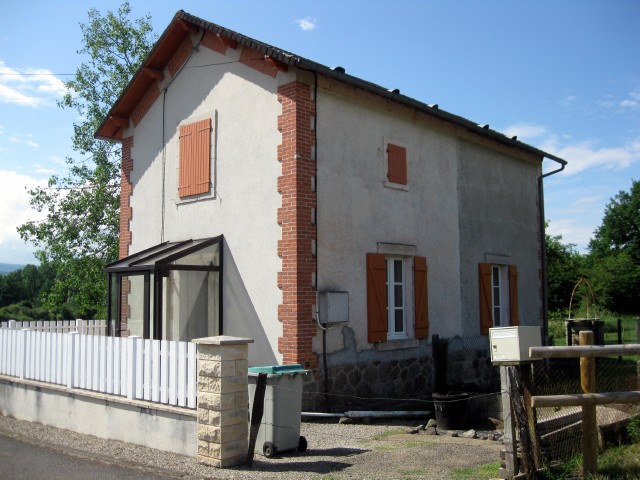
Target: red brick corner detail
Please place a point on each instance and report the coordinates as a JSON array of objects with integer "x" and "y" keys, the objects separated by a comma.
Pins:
[
  {"x": 126, "y": 190},
  {"x": 298, "y": 229}
]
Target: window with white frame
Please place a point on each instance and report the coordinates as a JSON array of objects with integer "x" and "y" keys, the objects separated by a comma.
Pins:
[
  {"x": 396, "y": 294},
  {"x": 396, "y": 298},
  {"x": 499, "y": 295}
]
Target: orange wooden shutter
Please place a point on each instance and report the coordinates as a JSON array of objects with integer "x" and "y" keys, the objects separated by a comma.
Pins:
[
  {"x": 376, "y": 297},
  {"x": 421, "y": 296},
  {"x": 195, "y": 158},
  {"x": 485, "y": 298},
  {"x": 513, "y": 296},
  {"x": 397, "y": 168}
]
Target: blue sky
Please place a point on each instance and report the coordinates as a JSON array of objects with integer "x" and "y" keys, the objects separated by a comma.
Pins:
[{"x": 562, "y": 75}]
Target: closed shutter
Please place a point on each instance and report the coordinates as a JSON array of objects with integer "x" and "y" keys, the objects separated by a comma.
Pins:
[
  {"x": 397, "y": 164},
  {"x": 376, "y": 297},
  {"x": 513, "y": 296},
  {"x": 421, "y": 296},
  {"x": 485, "y": 298},
  {"x": 194, "y": 175}
]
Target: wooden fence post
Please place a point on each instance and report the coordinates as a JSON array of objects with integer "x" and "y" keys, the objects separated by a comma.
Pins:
[
  {"x": 589, "y": 423},
  {"x": 510, "y": 449}
]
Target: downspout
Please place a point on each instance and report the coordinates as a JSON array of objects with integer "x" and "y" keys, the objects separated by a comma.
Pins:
[{"x": 543, "y": 246}]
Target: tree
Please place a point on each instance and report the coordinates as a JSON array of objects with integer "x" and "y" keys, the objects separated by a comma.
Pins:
[
  {"x": 620, "y": 229},
  {"x": 564, "y": 269},
  {"x": 615, "y": 253},
  {"x": 80, "y": 232}
]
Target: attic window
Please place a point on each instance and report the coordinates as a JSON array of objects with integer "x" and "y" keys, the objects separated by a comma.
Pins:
[{"x": 195, "y": 158}]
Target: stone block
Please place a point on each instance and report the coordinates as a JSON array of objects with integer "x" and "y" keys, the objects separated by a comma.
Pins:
[
  {"x": 209, "y": 433},
  {"x": 237, "y": 383},
  {"x": 203, "y": 448},
  {"x": 229, "y": 450},
  {"x": 242, "y": 399},
  {"x": 218, "y": 353},
  {"x": 209, "y": 401},
  {"x": 241, "y": 367},
  {"x": 228, "y": 417},
  {"x": 217, "y": 369}
]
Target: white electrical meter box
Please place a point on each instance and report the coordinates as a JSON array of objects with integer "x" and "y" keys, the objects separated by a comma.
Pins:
[
  {"x": 511, "y": 344},
  {"x": 333, "y": 307}
]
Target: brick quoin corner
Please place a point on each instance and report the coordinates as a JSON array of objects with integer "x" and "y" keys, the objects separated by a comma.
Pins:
[{"x": 298, "y": 229}]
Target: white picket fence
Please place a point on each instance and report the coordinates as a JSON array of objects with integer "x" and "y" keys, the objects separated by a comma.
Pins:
[
  {"x": 155, "y": 370},
  {"x": 85, "y": 327}
]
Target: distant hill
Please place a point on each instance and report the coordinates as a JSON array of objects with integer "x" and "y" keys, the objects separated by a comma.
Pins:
[{"x": 9, "y": 267}]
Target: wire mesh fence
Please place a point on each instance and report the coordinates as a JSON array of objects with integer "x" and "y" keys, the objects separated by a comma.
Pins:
[{"x": 560, "y": 428}]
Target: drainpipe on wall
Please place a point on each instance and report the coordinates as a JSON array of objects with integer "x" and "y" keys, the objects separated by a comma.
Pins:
[{"x": 543, "y": 246}]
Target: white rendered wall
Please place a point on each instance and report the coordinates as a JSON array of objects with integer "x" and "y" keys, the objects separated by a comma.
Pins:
[
  {"x": 244, "y": 201},
  {"x": 356, "y": 210},
  {"x": 443, "y": 213}
]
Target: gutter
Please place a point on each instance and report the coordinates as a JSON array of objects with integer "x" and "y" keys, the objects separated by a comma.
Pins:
[{"x": 543, "y": 245}]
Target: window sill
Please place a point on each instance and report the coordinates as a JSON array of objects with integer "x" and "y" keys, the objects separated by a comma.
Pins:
[
  {"x": 397, "y": 344},
  {"x": 396, "y": 186}
]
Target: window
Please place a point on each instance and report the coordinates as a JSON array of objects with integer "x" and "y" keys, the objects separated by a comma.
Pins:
[
  {"x": 396, "y": 164},
  {"x": 498, "y": 296},
  {"x": 396, "y": 298},
  {"x": 388, "y": 282},
  {"x": 194, "y": 175}
]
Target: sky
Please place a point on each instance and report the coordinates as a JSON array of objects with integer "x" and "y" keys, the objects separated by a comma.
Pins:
[{"x": 562, "y": 75}]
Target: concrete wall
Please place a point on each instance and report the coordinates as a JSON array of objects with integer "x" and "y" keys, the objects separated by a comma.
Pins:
[
  {"x": 498, "y": 224},
  {"x": 243, "y": 203},
  {"x": 142, "y": 423},
  {"x": 465, "y": 204},
  {"x": 356, "y": 211}
]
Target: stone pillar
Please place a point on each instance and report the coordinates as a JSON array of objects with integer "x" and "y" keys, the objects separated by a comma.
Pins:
[{"x": 223, "y": 400}]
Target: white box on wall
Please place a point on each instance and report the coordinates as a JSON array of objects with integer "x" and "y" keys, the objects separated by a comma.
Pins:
[
  {"x": 511, "y": 344},
  {"x": 333, "y": 307}
]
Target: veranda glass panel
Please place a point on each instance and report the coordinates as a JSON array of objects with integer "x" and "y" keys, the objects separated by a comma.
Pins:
[{"x": 190, "y": 304}]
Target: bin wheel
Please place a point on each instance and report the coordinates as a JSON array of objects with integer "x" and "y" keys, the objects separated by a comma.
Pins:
[
  {"x": 302, "y": 444},
  {"x": 269, "y": 449}
]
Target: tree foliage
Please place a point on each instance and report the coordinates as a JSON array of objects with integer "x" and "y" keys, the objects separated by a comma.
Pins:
[
  {"x": 614, "y": 258},
  {"x": 80, "y": 231},
  {"x": 564, "y": 269}
]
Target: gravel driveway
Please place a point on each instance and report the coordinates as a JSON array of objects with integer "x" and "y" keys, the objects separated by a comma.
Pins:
[{"x": 375, "y": 451}]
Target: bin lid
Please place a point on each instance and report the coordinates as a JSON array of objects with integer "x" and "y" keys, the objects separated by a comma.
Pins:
[{"x": 278, "y": 369}]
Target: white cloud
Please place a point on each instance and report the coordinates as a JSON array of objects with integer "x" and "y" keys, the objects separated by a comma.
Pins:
[
  {"x": 525, "y": 131},
  {"x": 31, "y": 143},
  {"x": 15, "y": 204},
  {"x": 630, "y": 103},
  {"x": 583, "y": 155},
  {"x": 568, "y": 100},
  {"x": 306, "y": 23},
  {"x": 588, "y": 155},
  {"x": 30, "y": 87}
]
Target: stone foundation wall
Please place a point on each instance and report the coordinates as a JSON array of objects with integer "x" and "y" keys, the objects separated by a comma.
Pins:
[{"x": 378, "y": 379}]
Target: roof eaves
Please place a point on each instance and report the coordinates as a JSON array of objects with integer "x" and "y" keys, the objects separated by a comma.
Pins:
[{"x": 289, "y": 58}]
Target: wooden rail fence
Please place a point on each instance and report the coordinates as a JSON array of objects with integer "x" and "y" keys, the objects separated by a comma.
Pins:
[{"x": 588, "y": 399}]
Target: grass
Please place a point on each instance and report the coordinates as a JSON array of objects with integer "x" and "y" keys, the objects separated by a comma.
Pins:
[
  {"x": 557, "y": 330},
  {"x": 489, "y": 470},
  {"x": 617, "y": 463}
]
